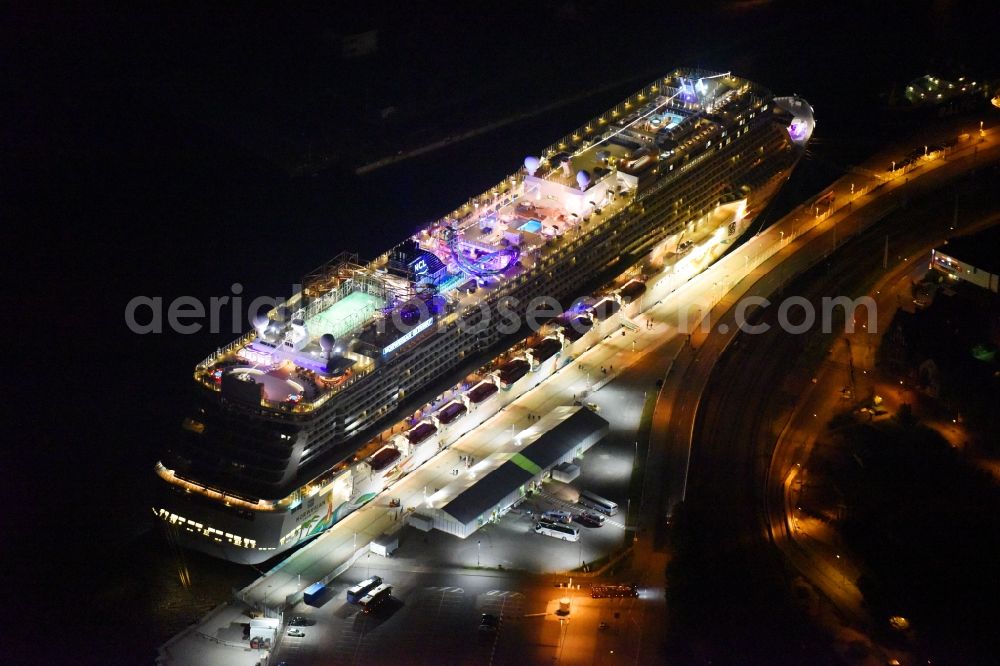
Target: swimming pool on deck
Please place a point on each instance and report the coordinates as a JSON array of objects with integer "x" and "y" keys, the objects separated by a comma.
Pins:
[{"x": 531, "y": 226}]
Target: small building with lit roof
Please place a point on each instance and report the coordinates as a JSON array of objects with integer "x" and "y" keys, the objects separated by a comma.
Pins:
[{"x": 974, "y": 259}]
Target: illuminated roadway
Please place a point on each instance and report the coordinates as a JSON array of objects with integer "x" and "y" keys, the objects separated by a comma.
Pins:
[
  {"x": 715, "y": 406},
  {"x": 802, "y": 540}
]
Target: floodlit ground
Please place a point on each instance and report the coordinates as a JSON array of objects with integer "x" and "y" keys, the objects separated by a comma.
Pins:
[
  {"x": 434, "y": 618},
  {"x": 510, "y": 543}
]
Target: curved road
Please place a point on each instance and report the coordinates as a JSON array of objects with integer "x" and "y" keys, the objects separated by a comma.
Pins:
[{"x": 722, "y": 407}]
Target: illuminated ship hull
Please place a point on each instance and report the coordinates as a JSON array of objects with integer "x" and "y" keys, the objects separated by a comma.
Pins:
[{"x": 251, "y": 479}]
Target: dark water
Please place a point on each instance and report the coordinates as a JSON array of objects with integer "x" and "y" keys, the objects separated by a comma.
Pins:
[{"x": 121, "y": 194}]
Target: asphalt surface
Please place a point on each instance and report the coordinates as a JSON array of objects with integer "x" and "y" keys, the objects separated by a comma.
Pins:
[{"x": 731, "y": 405}]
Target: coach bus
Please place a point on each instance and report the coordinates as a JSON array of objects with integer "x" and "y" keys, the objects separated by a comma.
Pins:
[
  {"x": 558, "y": 531},
  {"x": 375, "y": 598},
  {"x": 358, "y": 592},
  {"x": 605, "y": 506},
  {"x": 605, "y": 591}
]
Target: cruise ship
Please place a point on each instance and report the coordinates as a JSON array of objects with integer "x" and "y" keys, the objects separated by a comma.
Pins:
[{"x": 372, "y": 368}]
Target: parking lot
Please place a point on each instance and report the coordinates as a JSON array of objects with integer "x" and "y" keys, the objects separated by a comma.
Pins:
[
  {"x": 430, "y": 621},
  {"x": 440, "y": 594},
  {"x": 424, "y": 622}
]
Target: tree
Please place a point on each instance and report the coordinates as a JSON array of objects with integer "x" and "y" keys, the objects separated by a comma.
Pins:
[{"x": 905, "y": 416}]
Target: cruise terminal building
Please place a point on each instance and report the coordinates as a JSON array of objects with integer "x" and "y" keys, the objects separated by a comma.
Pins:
[{"x": 494, "y": 485}]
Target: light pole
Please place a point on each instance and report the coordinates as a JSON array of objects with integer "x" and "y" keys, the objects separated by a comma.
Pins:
[
  {"x": 628, "y": 512},
  {"x": 563, "y": 627},
  {"x": 479, "y": 550}
]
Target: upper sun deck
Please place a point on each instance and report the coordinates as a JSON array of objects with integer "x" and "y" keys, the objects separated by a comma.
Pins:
[{"x": 349, "y": 316}]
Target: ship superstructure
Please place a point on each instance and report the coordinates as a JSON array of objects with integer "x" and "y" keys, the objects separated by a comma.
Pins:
[{"x": 273, "y": 443}]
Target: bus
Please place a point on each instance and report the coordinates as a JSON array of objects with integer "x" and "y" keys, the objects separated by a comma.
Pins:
[
  {"x": 605, "y": 591},
  {"x": 605, "y": 506},
  {"x": 375, "y": 598},
  {"x": 558, "y": 531},
  {"x": 358, "y": 592}
]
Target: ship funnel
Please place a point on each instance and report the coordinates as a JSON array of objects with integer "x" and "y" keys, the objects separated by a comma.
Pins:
[
  {"x": 260, "y": 323},
  {"x": 326, "y": 342}
]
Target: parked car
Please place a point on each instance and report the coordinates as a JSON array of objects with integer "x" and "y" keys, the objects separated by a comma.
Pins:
[
  {"x": 558, "y": 516},
  {"x": 296, "y": 632},
  {"x": 489, "y": 623},
  {"x": 587, "y": 520},
  {"x": 298, "y": 621}
]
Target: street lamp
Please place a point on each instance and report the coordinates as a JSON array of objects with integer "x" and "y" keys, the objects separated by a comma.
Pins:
[
  {"x": 563, "y": 622},
  {"x": 479, "y": 550}
]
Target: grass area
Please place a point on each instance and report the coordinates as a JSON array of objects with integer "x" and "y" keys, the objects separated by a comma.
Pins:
[{"x": 618, "y": 559}]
